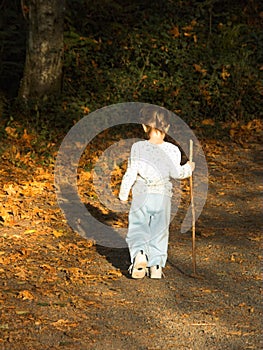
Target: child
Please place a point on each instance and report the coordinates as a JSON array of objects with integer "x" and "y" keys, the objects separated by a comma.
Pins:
[{"x": 151, "y": 165}]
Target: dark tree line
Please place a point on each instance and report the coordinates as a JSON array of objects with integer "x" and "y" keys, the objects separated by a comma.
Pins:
[{"x": 199, "y": 58}]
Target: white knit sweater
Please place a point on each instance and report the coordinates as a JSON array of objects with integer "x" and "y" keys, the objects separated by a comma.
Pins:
[{"x": 150, "y": 168}]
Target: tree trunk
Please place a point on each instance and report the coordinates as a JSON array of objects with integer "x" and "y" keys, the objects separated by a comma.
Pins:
[{"x": 43, "y": 66}]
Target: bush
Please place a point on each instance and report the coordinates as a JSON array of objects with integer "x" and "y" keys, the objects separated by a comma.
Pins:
[{"x": 200, "y": 59}]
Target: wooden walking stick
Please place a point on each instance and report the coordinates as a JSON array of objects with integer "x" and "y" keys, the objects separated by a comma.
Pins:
[{"x": 193, "y": 210}]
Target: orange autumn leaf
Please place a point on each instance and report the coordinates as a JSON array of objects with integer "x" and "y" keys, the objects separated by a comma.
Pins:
[
  {"x": 25, "y": 295},
  {"x": 64, "y": 324},
  {"x": 11, "y": 132},
  {"x": 57, "y": 234},
  {"x": 27, "y": 137},
  {"x": 208, "y": 121},
  {"x": 175, "y": 32},
  {"x": 225, "y": 74},
  {"x": 199, "y": 68}
]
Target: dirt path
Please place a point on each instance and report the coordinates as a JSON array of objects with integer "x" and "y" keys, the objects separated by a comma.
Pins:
[{"x": 59, "y": 292}]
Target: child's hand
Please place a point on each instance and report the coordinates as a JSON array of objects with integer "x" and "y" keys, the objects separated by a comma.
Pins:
[{"x": 192, "y": 165}]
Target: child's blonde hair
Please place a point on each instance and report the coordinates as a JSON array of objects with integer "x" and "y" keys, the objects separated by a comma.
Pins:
[{"x": 155, "y": 118}]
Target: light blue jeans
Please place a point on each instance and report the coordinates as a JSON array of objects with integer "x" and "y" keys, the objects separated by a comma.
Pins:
[{"x": 148, "y": 230}]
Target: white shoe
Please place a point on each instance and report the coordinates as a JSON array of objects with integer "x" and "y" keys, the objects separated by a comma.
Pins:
[
  {"x": 156, "y": 271},
  {"x": 138, "y": 268}
]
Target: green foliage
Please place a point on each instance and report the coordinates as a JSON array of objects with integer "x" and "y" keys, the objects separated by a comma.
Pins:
[
  {"x": 200, "y": 59},
  {"x": 197, "y": 58}
]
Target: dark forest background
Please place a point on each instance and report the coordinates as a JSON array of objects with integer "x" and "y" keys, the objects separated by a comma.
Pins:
[{"x": 200, "y": 59}]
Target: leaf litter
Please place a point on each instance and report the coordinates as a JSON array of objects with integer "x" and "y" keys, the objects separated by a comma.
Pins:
[{"x": 59, "y": 290}]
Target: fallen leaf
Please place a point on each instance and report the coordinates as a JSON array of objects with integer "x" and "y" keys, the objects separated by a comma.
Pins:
[
  {"x": 25, "y": 295},
  {"x": 114, "y": 273},
  {"x": 4, "y": 326},
  {"x": 12, "y": 132},
  {"x": 57, "y": 234},
  {"x": 64, "y": 324},
  {"x": 210, "y": 122},
  {"x": 27, "y": 232},
  {"x": 175, "y": 32},
  {"x": 199, "y": 69},
  {"x": 22, "y": 312}
]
